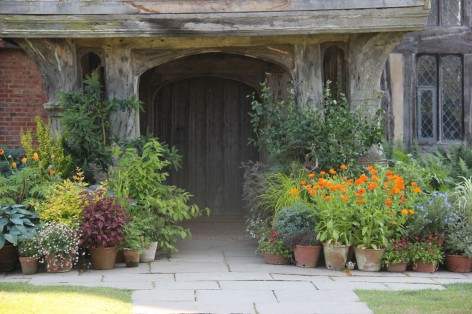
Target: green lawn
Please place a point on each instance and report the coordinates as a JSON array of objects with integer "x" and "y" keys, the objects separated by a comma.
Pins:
[
  {"x": 457, "y": 298},
  {"x": 24, "y": 298}
]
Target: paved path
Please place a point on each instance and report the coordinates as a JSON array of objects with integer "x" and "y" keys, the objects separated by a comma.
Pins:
[{"x": 211, "y": 275}]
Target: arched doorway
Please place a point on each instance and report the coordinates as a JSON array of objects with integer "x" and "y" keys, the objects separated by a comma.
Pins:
[{"x": 200, "y": 105}]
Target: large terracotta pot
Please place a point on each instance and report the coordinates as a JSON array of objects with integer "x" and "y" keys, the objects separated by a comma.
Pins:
[
  {"x": 335, "y": 256},
  {"x": 131, "y": 258},
  {"x": 149, "y": 253},
  {"x": 369, "y": 259},
  {"x": 275, "y": 259},
  {"x": 307, "y": 256},
  {"x": 423, "y": 267},
  {"x": 8, "y": 257},
  {"x": 58, "y": 264},
  {"x": 103, "y": 257},
  {"x": 397, "y": 267},
  {"x": 458, "y": 263},
  {"x": 29, "y": 265}
]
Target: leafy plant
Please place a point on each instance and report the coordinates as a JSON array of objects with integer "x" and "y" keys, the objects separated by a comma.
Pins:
[
  {"x": 141, "y": 177},
  {"x": 30, "y": 247},
  {"x": 397, "y": 251},
  {"x": 305, "y": 238},
  {"x": 462, "y": 199},
  {"x": 427, "y": 249},
  {"x": 86, "y": 122},
  {"x": 272, "y": 243},
  {"x": 16, "y": 224},
  {"x": 102, "y": 220},
  {"x": 329, "y": 136},
  {"x": 134, "y": 235},
  {"x": 58, "y": 239},
  {"x": 458, "y": 238},
  {"x": 63, "y": 201}
]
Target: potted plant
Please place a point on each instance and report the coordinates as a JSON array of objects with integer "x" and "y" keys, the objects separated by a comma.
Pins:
[
  {"x": 133, "y": 245},
  {"x": 273, "y": 248},
  {"x": 29, "y": 251},
  {"x": 16, "y": 224},
  {"x": 59, "y": 243},
  {"x": 397, "y": 255},
  {"x": 458, "y": 245},
  {"x": 296, "y": 225},
  {"x": 102, "y": 228},
  {"x": 426, "y": 253}
]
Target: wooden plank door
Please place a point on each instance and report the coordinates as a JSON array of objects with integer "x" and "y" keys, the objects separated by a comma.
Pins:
[{"x": 206, "y": 119}]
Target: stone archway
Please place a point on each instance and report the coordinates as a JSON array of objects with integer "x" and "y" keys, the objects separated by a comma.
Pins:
[{"x": 199, "y": 104}]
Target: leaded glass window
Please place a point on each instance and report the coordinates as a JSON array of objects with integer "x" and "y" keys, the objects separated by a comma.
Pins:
[
  {"x": 445, "y": 12},
  {"x": 439, "y": 98}
]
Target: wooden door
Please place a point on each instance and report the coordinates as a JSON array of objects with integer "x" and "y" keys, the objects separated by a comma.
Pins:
[{"x": 206, "y": 119}]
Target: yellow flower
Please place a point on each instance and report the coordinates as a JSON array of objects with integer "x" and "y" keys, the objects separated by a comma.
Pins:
[
  {"x": 35, "y": 156},
  {"x": 344, "y": 167},
  {"x": 24, "y": 159},
  {"x": 412, "y": 212},
  {"x": 13, "y": 164},
  {"x": 53, "y": 156},
  {"x": 404, "y": 211},
  {"x": 294, "y": 191}
]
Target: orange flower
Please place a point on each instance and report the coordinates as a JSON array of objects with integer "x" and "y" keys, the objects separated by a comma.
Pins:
[
  {"x": 328, "y": 198},
  {"x": 412, "y": 212},
  {"x": 414, "y": 184},
  {"x": 13, "y": 164},
  {"x": 373, "y": 171},
  {"x": 345, "y": 198},
  {"x": 389, "y": 173},
  {"x": 375, "y": 178},
  {"x": 402, "y": 199},
  {"x": 35, "y": 156},
  {"x": 343, "y": 166},
  {"x": 51, "y": 171},
  {"x": 394, "y": 223},
  {"x": 388, "y": 202},
  {"x": 74, "y": 177},
  {"x": 322, "y": 173},
  {"x": 24, "y": 159},
  {"x": 361, "y": 191},
  {"x": 417, "y": 190},
  {"x": 360, "y": 201},
  {"x": 404, "y": 211},
  {"x": 311, "y": 175},
  {"x": 2, "y": 151},
  {"x": 312, "y": 191},
  {"x": 363, "y": 178},
  {"x": 372, "y": 186},
  {"x": 332, "y": 171},
  {"x": 390, "y": 213},
  {"x": 303, "y": 182}
]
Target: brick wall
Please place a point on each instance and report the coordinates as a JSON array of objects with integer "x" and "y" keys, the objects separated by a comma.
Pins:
[{"x": 22, "y": 95}]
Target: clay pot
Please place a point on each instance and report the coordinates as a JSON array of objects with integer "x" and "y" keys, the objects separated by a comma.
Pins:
[
  {"x": 29, "y": 265},
  {"x": 275, "y": 259},
  {"x": 397, "y": 267},
  {"x": 131, "y": 258},
  {"x": 369, "y": 259},
  {"x": 103, "y": 257},
  {"x": 306, "y": 256},
  {"x": 335, "y": 256},
  {"x": 458, "y": 263},
  {"x": 58, "y": 264},
  {"x": 8, "y": 257},
  {"x": 423, "y": 267},
  {"x": 149, "y": 253}
]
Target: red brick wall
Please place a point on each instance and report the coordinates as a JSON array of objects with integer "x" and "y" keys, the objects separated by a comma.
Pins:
[{"x": 22, "y": 95}]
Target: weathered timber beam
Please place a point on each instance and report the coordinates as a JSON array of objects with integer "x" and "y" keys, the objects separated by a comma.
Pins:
[
  {"x": 202, "y": 25},
  {"x": 191, "y": 6}
]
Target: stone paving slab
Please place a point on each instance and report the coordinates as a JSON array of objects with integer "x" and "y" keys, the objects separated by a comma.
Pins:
[
  {"x": 193, "y": 307},
  {"x": 221, "y": 296},
  {"x": 188, "y": 267},
  {"x": 222, "y": 276},
  {"x": 310, "y": 307},
  {"x": 384, "y": 279},
  {"x": 187, "y": 285},
  {"x": 46, "y": 278},
  {"x": 336, "y": 286},
  {"x": 152, "y": 296},
  {"x": 315, "y": 296},
  {"x": 140, "y": 277},
  {"x": 266, "y": 285}
]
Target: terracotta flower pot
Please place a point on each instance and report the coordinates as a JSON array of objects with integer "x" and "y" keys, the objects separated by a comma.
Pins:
[
  {"x": 149, "y": 253},
  {"x": 458, "y": 263},
  {"x": 275, "y": 259},
  {"x": 58, "y": 264},
  {"x": 335, "y": 256},
  {"x": 423, "y": 267},
  {"x": 103, "y": 257},
  {"x": 369, "y": 259},
  {"x": 397, "y": 267},
  {"x": 306, "y": 256},
  {"x": 131, "y": 258},
  {"x": 8, "y": 257},
  {"x": 29, "y": 265}
]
